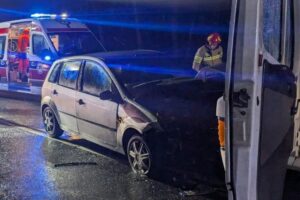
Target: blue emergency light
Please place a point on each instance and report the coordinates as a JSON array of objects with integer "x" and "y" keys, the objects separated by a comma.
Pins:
[
  {"x": 39, "y": 15},
  {"x": 64, "y": 15},
  {"x": 47, "y": 58},
  {"x": 53, "y": 16}
]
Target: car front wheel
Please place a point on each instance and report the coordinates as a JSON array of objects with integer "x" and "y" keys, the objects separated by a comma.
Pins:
[
  {"x": 139, "y": 156},
  {"x": 51, "y": 124}
]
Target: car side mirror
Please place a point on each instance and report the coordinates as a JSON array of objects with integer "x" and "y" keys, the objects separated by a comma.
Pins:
[{"x": 106, "y": 95}]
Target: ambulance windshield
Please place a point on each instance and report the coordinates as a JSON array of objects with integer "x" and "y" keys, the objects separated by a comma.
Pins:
[{"x": 75, "y": 43}]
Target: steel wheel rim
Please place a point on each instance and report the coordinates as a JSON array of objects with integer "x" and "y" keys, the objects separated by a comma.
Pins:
[
  {"x": 139, "y": 157},
  {"x": 49, "y": 121}
]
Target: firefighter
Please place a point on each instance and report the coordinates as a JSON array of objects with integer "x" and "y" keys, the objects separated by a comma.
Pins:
[
  {"x": 220, "y": 112},
  {"x": 210, "y": 54},
  {"x": 23, "y": 44}
]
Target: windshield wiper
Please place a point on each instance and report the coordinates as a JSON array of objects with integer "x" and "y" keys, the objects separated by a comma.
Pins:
[
  {"x": 146, "y": 83},
  {"x": 168, "y": 80}
]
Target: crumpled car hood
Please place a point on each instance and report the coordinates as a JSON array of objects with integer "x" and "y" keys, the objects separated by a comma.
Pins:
[{"x": 180, "y": 103}]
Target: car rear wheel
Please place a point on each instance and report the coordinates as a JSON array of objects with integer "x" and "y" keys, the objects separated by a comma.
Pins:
[
  {"x": 51, "y": 124},
  {"x": 139, "y": 156}
]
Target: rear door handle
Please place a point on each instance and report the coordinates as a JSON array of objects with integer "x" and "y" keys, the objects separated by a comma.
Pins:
[
  {"x": 241, "y": 98},
  {"x": 80, "y": 102},
  {"x": 54, "y": 92}
]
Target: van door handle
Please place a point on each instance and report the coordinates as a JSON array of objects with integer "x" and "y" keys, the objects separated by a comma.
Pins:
[
  {"x": 54, "y": 92},
  {"x": 241, "y": 98},
  {"x": 80, "y": 102}
]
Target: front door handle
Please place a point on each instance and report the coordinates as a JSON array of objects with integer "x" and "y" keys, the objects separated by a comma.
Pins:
[{"x": 81, "y": 102}]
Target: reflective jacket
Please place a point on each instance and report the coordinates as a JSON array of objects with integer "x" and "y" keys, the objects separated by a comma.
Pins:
[
  {"x": 206, "y": 57},
  {"x": 23, "y": 43}
]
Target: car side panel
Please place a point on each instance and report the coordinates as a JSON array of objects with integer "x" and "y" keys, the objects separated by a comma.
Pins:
[
  {"x": 65, "y": 104},
  {"x": 97, "y": 119}
]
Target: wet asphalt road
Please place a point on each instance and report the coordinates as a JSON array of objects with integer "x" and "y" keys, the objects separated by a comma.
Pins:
[{"x": 33, "y": 166}]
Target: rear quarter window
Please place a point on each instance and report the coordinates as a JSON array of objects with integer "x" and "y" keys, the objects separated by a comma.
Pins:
[{"x": 53, "y": 78}]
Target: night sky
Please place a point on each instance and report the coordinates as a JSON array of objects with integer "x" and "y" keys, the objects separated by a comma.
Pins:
[{"x": 180, "y": 26}]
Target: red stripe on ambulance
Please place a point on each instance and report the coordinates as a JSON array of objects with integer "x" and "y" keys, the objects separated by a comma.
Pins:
[{"x": 3, "y": 30}]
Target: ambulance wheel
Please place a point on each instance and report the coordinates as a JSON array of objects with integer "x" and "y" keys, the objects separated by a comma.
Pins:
[{"x": 50, "y": 123}]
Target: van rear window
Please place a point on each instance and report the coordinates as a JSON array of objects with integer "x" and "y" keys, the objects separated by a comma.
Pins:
[{"x": 2, "y": 46}]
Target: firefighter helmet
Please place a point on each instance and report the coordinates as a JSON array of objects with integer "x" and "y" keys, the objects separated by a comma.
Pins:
[{"x": 214, "y": 38}]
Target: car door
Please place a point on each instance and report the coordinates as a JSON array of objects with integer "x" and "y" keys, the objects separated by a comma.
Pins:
[
  {"x": 97, "y": 118},
  {"x": 260, "y": 94},
  {"x": 64, "y": 94}
]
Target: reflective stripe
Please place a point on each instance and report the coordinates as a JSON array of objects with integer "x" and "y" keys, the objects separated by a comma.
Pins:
[
  {"x": 3, "y": 30},
  {"x": 211, "y": 58},
  {"x": 221, "y": 133},
  {"x": 197, "y": 59}
]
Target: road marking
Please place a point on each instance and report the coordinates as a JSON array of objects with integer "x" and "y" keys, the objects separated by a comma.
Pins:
[
  {"x": 44, "y": 134},
  {"x": 41, "y": 132}
]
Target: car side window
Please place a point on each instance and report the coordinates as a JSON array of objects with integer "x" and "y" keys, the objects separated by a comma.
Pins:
[
  {"x": 69, "y": 74},
  {"x": 53, "y": 78},
  {"x": 95, "y": 79}
]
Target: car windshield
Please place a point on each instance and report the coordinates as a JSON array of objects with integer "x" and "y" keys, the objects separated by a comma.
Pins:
[
  {"x": 75, "y": 43},
  {"x": 131, "y": 75}
]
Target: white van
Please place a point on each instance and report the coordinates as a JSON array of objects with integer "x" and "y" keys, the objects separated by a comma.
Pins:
[
  {"x": 263, "y": 85},
  {"x": 50, "y": 37}
]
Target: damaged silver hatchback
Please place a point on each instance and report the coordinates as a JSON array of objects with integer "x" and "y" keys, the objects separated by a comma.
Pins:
[{"x": 143, "y": 111}]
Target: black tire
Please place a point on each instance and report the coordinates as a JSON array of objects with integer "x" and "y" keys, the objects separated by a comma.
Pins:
[
  {"x": 140, "y": 156},
  {"x": 50, "y": 123}
]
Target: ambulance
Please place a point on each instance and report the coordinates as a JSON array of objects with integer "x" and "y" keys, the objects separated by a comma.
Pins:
[{"x": 50, "y": 37}]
